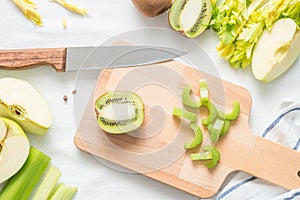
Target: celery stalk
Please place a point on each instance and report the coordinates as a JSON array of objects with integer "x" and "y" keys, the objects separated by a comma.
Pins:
[
  {"x": 203, "y": 90},
  {"x": 197, "y": 139},
  {"x": 213, "y": 113},
  {"x": 187, "y": 99},
  {"x": 22, "y": 184},
  {"x": 233, "y": 114},
  {"x": 201, "y": 156},
  {"x": 184, "y": 114},
  {"x": 48, "y": 184},
  {"x": 216, "y": 130},
  {"x": 225, "y": 127},
  {"x": 215, "y": 156},
  {"x": 64, "y": 192}
]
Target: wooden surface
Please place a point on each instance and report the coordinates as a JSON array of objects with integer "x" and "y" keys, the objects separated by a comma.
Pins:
[
  {"x": 156, "y": 149},
  {"x": 28, "y": 58}
]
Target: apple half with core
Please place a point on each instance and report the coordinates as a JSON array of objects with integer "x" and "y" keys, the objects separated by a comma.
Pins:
[
  {"x": 276, "y": 50},
  {"x": 23, "y": 103},
  {"x": 14, "y": 148}
]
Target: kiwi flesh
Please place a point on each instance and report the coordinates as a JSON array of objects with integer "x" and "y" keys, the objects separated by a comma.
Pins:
[
  {"x": 119, "y": 111},
  {"x": 190, "y": 17}
]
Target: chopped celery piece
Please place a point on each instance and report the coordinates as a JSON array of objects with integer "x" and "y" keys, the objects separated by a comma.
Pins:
[
  {"x": 216, "y": 130},
  {"x": 215, "y": 156},
  {"x": 184, "y": 114},
  {"x": 203, "y": 90},
  {"x": 64, "y": 192},
  {"x": 48, "y": 184},
  {"x": 201, "y": 156},
  {"x": 233, "y": 114},
  {"x": 213, "y": 112},
  {"x": 22, "y": 184},
  {"x": 187, "y": 100},
  {"x": 225, "y": 127},
  {"x": 197, "y": 139}
]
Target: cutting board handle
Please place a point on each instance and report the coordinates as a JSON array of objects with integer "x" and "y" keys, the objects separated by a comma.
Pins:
[
  {"x": 29, "y": 58},
  {"x": 273, "y": 162}
]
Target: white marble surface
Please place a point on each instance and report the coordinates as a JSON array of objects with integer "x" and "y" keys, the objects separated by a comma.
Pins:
[{"x": 107, "y": 19}]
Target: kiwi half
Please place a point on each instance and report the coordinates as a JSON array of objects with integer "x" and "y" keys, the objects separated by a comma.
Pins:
[
  {"x": 119, "y": 111},
  {"x": 190, "y": 17}
]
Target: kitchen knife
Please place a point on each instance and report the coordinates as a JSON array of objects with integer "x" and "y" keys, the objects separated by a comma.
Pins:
[{"x": 87, "y": 58}]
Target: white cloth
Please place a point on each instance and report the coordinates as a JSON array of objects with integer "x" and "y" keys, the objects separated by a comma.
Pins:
[{"x": 284, "y": 128}]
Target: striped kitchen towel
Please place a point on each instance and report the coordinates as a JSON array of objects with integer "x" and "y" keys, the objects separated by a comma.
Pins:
[{"x": 283, "y": 129}]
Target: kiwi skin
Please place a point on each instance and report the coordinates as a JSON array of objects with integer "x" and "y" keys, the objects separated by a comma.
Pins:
[
  {"x": 174, "y": 14},
  {"x": 123, "y": 126},
  {"x": 152, "y": 8},
  {"x": 202, "y": 21}
]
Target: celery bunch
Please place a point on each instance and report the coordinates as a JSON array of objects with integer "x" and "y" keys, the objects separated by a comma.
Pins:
[
  {"x": 23, "y": 183},
  {"x": 239, "y": 24}
]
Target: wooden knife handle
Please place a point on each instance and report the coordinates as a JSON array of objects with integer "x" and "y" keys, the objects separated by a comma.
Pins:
[
  {"x": 275, "y": 163},
  {"x": 29, "y": 58}
]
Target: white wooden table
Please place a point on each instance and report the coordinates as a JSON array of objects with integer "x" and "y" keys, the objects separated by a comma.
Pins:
[{"x": 94, "y": 179}]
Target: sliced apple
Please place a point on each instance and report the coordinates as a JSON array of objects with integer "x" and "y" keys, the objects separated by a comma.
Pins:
[
  {"x": 23, "y": 103},
  {"x": 14, "y": 148},
  {"x": 276, "y": 50}
]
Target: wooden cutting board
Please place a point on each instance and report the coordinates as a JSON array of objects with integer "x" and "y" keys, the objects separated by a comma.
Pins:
[{"x": 156, "y": 149}]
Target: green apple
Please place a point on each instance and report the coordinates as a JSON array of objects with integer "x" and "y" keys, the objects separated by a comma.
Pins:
[
  {"x": 276, "y": 50},
  {"x": 14, "y": 148},
  {"x": 23, "y": 103}
]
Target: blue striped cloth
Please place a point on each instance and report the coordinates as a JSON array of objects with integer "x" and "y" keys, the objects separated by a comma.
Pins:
[{"x": 284, "y": 129}]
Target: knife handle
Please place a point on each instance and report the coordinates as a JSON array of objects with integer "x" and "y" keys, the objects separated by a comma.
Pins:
[{"x": 30, "y": 58}]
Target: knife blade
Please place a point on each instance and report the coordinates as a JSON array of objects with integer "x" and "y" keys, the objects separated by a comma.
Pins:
[{"x": 87, "y": 58}]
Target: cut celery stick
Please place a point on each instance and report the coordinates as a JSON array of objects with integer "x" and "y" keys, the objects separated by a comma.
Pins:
[
  {"x": 233, "y": 114},
  {"x": 23, "y": 182},
  {"x": 225, "y": 127},
  {"x": 201, "y": 156},
  {"x": 197, "y": 139},
  {"x": 204, "y": 95},
  {"x": 213, "y": 112},
  {"x": 215, "y": 156},
  {"x": 64, "y": 192},
  {"x": 48, "y": 184},
  {"x": 216, "y": 130},
  {"x": 184, "y": 114},
  {"x": 187, "y": 99}
]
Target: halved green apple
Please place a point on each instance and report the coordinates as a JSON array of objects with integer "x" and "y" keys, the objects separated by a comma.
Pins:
[
  {"x": 276, "y": 50},
  {"x": 23, "y": 103},
  {"x": 14, "y": 148}
]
